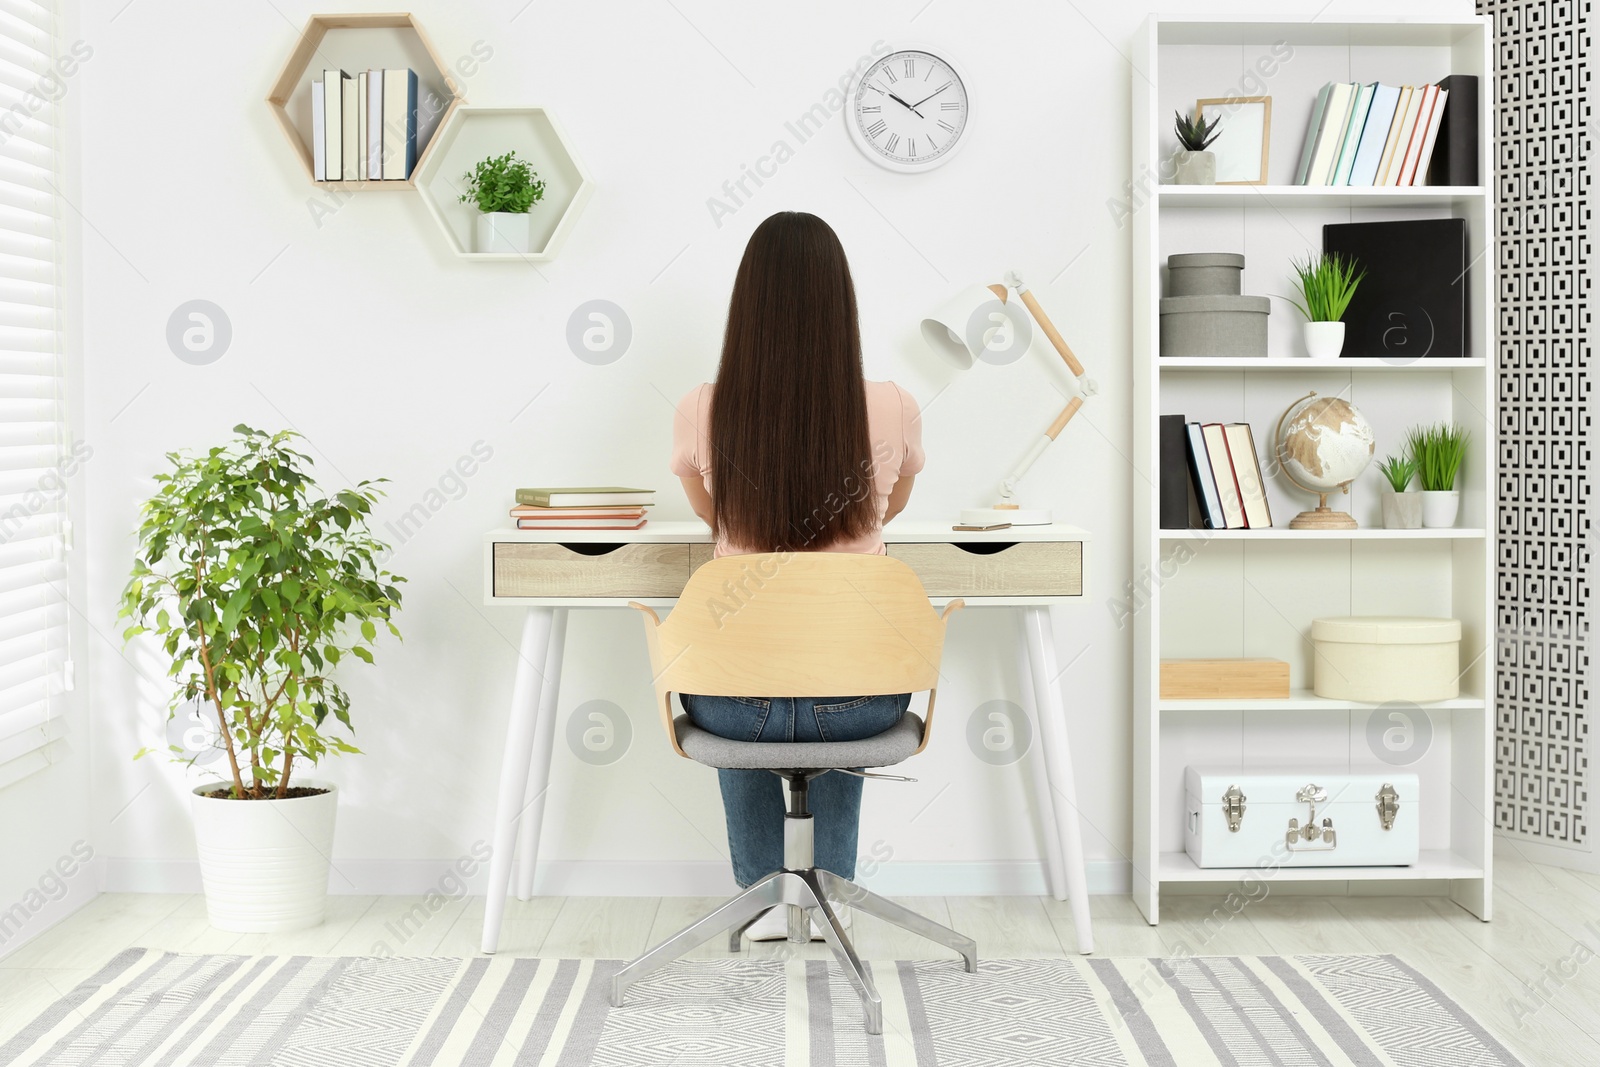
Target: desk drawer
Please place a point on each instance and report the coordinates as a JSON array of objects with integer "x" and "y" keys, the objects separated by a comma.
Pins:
[
  {"x": 1022, "y": 568},
  {"x": 554, "y": 570}
]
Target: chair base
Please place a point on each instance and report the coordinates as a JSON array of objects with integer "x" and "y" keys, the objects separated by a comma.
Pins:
[{"x": 807, "y": 891}]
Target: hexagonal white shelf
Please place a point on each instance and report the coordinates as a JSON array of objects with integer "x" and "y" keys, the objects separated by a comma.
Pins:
[{"x": 470, "y": 134}]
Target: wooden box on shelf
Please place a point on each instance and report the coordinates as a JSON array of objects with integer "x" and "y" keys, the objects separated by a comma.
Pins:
[{"x": 1224, "y": 679}]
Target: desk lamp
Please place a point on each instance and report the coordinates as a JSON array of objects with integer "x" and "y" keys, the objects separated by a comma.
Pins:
[{"x": 977, "y": 324}]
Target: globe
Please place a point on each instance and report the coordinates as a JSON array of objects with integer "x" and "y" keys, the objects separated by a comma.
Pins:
[{"x": 1324, "y": 444}]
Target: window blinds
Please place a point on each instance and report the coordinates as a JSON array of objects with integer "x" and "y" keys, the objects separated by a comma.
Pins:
[{"x": 36, "y": 458}]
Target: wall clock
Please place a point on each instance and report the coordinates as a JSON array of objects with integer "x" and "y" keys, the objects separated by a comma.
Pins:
[{"x": 910, "y": 110}]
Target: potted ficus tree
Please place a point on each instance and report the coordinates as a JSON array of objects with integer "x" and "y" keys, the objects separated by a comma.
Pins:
[
  {"x": 1327, "y": 283},
  {"x": 1402, "y": 510},
  {"x": 1439, "y": 451},
  {"x": 1193, "y": 165},
  {"x": 504, "y": 189},
  {"x": 258, "y": 586}
]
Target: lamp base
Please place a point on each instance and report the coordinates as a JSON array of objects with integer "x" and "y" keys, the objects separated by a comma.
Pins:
[{"x": 1006, "y": 513}]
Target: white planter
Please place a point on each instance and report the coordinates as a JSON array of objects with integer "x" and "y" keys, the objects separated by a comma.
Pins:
[
  {"x": 503, "y": 231},
  {"x": 264, "y": 863},
  {"x": 1194, "y": 168},
  {"x": 1324, "y": 340},
  {"x": 1439, "y": 508},
  {"x": 1402, "y": 511}
]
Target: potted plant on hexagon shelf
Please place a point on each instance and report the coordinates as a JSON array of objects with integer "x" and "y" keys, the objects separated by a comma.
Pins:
[
  {"x": 259, "y": 586},
  {"x": 504, "y": 188}
]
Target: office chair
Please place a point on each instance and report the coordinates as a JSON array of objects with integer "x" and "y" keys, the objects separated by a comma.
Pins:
[{"x": 799, "y": 625}]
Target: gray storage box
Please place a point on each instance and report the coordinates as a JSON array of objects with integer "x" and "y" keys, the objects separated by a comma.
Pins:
[
  {"x": 1214, "y": 325},
  {"x": 1205, "y": 274}
]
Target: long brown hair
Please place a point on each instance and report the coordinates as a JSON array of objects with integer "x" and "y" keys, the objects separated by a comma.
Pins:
[{"x": 791, "y": 461}]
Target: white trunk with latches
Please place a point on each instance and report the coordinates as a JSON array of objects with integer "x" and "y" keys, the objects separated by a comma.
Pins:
[{"x": 1313, "y": 818}]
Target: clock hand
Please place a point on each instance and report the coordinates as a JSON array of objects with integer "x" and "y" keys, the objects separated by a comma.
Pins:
[
  {"x": 905, "y": 105},
  {"x": 930, "y": 96}
]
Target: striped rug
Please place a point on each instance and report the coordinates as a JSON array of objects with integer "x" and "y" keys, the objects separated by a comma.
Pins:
[{"x": 149, "y": 1008}]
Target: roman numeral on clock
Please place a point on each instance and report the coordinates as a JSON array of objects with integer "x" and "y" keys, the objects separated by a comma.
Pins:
[
  {"x": 889, "y": 73},
  {"x": 871, "y": 109},
  {"x": 911, "y": 67},
  {"x": 943, "y": 125},
  {"x": 911, "y": 146},
  {"x": 894, "y": 139},
  {"x": 877, "y": 128},
  {"x": 950, "y": 105}
]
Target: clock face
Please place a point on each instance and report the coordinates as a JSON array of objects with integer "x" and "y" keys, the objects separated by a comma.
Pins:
[{"x": 909, "y": 110}]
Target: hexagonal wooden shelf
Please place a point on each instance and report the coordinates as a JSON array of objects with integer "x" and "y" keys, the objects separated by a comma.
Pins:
[
  {"x": 470, "y": 134},
  {"x": 359, "y": 42}
]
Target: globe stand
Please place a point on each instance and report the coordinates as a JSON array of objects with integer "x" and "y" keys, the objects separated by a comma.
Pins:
[{"x": 1322, "y": 517}]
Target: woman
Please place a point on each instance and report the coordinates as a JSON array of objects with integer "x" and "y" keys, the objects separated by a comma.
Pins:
[{"x": 792, "y": 450}]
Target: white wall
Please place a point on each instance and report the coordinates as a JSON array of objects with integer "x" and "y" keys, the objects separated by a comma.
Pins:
[{"x": 394, "y": 359}]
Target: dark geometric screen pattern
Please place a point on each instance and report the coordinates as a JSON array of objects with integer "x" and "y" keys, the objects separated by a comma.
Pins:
[{"x": 1544, "y": 139}]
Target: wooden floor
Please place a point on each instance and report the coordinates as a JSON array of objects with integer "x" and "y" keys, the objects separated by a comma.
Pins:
[{"x": 1532, "y": 975}]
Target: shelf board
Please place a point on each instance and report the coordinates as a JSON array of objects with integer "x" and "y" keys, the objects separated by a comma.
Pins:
[
  {"x": 1294, "y": 364},
  {"x": 1316, "y": 196},
  {"x": 1431, "y": 863},
  {"x": 1306, "y": 700},
  {"x": 1283, "y": 533}
]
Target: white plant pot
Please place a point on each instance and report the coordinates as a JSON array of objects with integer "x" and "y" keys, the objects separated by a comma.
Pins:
[
  {"x": 504, "y": 231},
  {"x": 1324, "y": 340},
  {"x": 264, "y": 863},
  {"x": 1194, "y": 168},
  {"x": 1439, "y": 508},
  {"x": 1402, "y": 511}
]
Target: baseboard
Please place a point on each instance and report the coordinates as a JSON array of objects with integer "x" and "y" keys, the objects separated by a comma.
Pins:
[
  {"x": 631, "y": 879},
  {"x": 80, "y": 890},
  {"x": 1575, "y": 859}
]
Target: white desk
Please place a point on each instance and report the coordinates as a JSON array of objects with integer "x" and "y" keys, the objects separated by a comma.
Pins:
[{"x": 548, "y": 572}]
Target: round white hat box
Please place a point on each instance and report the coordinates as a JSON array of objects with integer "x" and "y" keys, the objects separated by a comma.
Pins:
[{"x": 1379, "y": 658}]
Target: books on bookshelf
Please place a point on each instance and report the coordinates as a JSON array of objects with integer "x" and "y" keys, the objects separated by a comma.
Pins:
[
  {"x": 1221, "y": 465},
  {"x": 582, "y": 508},
  {"x": 1379, "y": 134},
  {"x": 364, "y": 127}
]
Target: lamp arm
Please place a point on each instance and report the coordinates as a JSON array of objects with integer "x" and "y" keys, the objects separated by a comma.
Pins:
[
  {"x": 1085, "y": 384},
  {"x": 1008, "y": 487}
]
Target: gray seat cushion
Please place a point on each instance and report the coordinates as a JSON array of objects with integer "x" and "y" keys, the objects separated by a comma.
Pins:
[{"x": 879, "y": 750}]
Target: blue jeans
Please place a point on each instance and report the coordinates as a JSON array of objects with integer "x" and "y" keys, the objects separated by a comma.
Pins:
[{"x": 753, "y": 800}]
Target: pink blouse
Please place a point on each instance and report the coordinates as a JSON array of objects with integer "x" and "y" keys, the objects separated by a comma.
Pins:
[{"x": 894, "y": 425}]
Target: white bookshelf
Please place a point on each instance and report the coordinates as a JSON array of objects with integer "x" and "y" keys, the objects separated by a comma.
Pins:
[{"x": 1202, "y": 593}]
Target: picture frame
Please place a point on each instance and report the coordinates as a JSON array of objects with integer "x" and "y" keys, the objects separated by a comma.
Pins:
[{"x": 1244, "y": 147}]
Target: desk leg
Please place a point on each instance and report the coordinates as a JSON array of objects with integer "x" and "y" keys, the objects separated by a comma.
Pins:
[
  {"x": 1058, "y": 762},
  {"x": 1043, "y": 798},
  {"x": 539, "y": 769},
  {"x": 514, "y": 764}
]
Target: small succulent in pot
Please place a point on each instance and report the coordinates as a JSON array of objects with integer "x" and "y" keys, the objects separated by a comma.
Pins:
[
  {"x": 1402, "y": 510},
  {"x": 1193, "y": 164}
]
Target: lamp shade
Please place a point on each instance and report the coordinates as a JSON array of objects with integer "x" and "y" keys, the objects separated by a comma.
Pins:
[{"x": 955, "y": 331}]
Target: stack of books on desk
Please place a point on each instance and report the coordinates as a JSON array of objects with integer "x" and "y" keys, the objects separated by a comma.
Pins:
[{"x": 603, "y": 507}]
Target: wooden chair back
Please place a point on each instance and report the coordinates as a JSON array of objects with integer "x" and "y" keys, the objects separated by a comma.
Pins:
[{"x": 797, "y": 624}]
